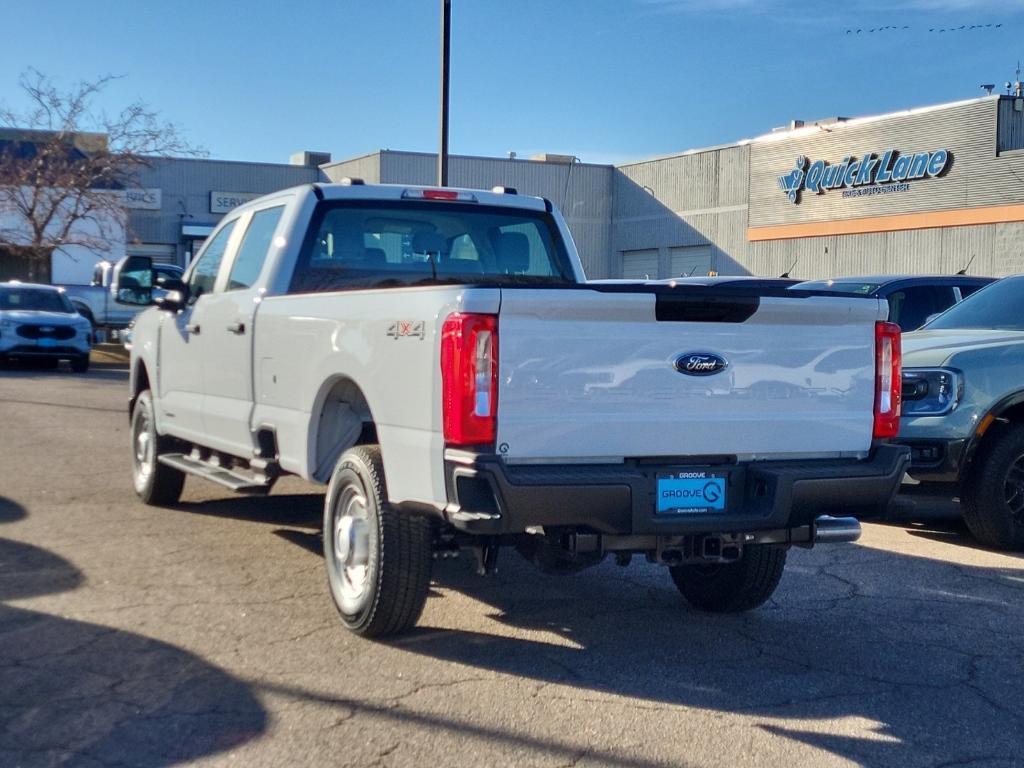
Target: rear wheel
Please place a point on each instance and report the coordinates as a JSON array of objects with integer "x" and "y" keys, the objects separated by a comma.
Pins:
[
  {"x": 378, "y": 558},
  {"x": 993, "y": 496},
  {"x": 732, "y": 587},
  {"x": 155, "y": 483}
]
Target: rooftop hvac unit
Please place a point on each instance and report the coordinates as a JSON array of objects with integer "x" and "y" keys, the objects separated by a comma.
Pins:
[
  {"x": 547, "y": 157},
  {"x": 310, "y": 159}
]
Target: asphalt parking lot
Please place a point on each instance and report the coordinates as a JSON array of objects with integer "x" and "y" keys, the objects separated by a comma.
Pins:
[{"x": 205, "y": 635}]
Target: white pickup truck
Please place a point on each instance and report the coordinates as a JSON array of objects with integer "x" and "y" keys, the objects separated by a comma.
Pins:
[{"x": 436, "y": 358}]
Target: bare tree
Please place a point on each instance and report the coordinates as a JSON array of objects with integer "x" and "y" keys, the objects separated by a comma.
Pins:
[{"x": 62, "y": 162}]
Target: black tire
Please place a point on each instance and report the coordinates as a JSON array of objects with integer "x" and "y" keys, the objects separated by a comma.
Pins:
[
  {"x": 993, "y": 495},
  {"x": 155, "y": 483},
  {"x": 47, "y": 363},
  {"x": 80, "y": 364},
  {"x": 732, "y": 587},
  {"x": 378, "y": 558}
]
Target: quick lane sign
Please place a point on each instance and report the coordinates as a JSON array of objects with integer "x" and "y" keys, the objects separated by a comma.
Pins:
[{"x": 869, "y": 175}]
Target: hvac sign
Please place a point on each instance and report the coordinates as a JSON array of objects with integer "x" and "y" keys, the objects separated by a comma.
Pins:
[{"x": 869, "y": 175}]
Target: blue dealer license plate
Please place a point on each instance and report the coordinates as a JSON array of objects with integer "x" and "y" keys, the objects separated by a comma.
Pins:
[
  {"x": 690, "y": 492},
  {"x": 46, "y": 342}
]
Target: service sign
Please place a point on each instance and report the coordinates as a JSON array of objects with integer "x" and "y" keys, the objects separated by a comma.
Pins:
[
  {"x": 139, "y": 198},
  {"x": 873, "y": 174},
  {"x": 222, "y": 202}
]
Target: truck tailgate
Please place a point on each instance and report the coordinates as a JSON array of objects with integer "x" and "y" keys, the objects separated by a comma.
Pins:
[{"x": 588, "y": 375}]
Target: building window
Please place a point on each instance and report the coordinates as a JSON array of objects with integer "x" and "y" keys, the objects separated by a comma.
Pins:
[{"x": 1010, "y": 125}]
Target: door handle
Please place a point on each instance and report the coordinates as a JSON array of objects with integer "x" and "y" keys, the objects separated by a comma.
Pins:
[
  {"x": 237, "y": 328},
  {"x": 192, "y": 328}
]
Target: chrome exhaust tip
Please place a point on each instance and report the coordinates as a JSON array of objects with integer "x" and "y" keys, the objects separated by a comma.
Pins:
[{"x": 836, "y": 530}]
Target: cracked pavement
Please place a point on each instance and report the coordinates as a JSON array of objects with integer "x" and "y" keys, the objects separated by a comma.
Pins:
[{"x": 132, "y": 636}]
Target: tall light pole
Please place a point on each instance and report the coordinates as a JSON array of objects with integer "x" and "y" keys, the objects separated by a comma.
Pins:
[{"x": 446, "y": 29}]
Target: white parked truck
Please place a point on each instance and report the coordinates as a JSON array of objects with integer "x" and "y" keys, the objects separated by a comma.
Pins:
[
  {"x": 435, "y": 358},
  {"x": 111, "y": 311}
]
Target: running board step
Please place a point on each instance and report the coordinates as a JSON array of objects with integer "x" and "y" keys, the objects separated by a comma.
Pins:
[{"x": 237, "y": 480}]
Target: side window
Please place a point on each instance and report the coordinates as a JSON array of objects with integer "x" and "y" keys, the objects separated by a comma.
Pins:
[
  {"x": 912, "y": 306},
  {"x": 464, "y": 249},
  {"x": 204, "y": 274},
  {"x": 967, "y": 290},
  {"x": 253, "y": 250}
]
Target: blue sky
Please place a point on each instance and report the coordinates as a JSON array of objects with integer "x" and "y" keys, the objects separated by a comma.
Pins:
[{"x": 607, "y": 80}]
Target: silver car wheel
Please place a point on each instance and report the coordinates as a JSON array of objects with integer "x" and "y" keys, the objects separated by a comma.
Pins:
[
  {"x": 143, "y": 455},
  {"x": 351, "y": 551}
]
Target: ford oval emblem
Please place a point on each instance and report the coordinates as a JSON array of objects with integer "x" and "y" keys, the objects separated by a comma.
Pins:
[{"x": 700, "y": 364}]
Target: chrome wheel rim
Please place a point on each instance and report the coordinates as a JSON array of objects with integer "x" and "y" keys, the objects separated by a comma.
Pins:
[
  {"x": 142, "y": 443},
  {"x": 351, "y": 550},
  {"x": 1013, "y": 488}
]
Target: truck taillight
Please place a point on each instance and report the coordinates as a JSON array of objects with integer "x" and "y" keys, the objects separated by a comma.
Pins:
[
  {"x": 888, "y": 379},
  {"x": 469, "y": 378}
]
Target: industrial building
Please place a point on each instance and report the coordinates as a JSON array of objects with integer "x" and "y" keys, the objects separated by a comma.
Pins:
[
  {"x": 180, "y": 200},
  {"x": 924, "y": 190}
]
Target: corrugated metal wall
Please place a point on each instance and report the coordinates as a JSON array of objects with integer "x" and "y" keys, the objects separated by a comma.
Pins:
[
  {"x": 683, "y": 201},
  {"x": 366, "y": 168},
  {"x": 582, "y": 191}
]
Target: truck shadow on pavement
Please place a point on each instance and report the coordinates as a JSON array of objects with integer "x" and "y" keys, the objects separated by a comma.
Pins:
[
  {"x": 292, "y": 509},
  {"x": 878, "y": 657},
  {"x": 871, "y": 655},
  {"x": 77, "y": 693}
]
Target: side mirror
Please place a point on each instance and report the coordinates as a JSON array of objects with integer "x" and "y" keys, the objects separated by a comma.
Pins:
[
  {"x": 931, "y": 317},
  {"x": 132, "y": 281},
  {"x": 171, "y": 300}
]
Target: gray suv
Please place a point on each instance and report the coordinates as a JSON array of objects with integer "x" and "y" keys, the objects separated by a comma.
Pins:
[{"x": 963, "y": 408}]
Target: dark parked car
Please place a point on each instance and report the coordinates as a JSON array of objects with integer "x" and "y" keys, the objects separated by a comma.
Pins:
[{"x": 913, "y": 299}]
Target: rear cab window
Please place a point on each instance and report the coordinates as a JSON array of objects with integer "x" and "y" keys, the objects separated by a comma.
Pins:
[{"x": 375, "y": 244}]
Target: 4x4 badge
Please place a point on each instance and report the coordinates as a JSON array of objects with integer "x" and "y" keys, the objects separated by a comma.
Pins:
[{"x": 405, "y": 329}]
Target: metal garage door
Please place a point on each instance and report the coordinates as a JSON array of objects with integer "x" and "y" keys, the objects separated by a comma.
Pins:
[
  {"x": 640, "y": 265},
  {"x": 693, "y": 260}
]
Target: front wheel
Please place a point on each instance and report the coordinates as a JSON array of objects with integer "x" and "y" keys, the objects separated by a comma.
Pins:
[
  {"x": 732, "y": 587},
  {"x": 993, "y": 496},
  {"x": 155, "y": 483},
  {"x": 378, "y": 558},
  {"x": 80, "y": 364}
]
